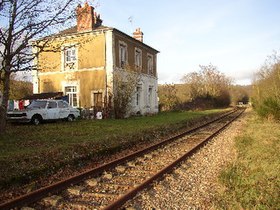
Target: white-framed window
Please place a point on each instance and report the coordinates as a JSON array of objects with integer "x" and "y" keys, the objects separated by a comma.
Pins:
[
  {"x": 150, "y": 64},
  {"x": 69, "y": 57},
  {"x": 70, "y": 54},
  {"x": 123, "y": 56},
  {"x": 150, "y": 95},
  {"x": 72, "y": 93},
  {"x": 138, "y": 96},
  {"x": 138, "y": 58}
]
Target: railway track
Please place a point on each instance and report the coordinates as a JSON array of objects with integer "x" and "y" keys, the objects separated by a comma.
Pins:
[{"x": 111, "y": 185}]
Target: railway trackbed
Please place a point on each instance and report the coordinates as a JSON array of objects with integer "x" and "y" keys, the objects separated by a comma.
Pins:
[{"x": 111, "y": 185}]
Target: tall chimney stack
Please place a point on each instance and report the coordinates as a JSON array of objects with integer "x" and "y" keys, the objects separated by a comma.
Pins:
[
  {"x": 138, "y": 34},
  {"x": 87, "y": 19}
]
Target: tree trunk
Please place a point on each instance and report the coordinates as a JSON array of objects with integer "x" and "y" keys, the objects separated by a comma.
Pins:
[{"x": 3, "y": 107}]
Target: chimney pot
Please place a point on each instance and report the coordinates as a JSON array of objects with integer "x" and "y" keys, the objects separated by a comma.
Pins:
[{"x": 138, "y": 34}]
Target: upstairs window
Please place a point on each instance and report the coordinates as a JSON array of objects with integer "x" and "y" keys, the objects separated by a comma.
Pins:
[
  {"x": 70, "y": 58},
  {"x": 138, "y": 58},
  {"x": 70, "y": 55},
  {"x": 122, "y": 54},
  {"x": 150, "y": 64}
]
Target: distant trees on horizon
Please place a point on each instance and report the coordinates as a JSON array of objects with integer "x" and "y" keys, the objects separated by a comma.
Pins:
[{"x": 207, "y": 88}]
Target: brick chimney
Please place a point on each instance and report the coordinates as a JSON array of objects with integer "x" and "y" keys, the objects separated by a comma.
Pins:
[
  {"x": 138, "y": 34},
  {"x": 87, "y": 19}
]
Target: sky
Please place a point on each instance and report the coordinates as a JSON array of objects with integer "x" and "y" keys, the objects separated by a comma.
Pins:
[{"x": 235, "y": 35}]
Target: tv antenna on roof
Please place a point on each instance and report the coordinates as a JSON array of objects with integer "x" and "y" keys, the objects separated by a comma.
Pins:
[
  {"x": 130, "y": 19},
  {"x": 97, "y": 4}
]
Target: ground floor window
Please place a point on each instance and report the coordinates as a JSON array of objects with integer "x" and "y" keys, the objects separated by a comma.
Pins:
[
  {"x": 138, "y": 95},
  {"x": 71, "y": 92},
  {"x": 150, "y": 96}
]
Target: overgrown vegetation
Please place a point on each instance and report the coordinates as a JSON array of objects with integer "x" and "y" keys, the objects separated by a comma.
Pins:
[
  {"x": 19, "y": 89},
  {"x": 28, "y": 151},
  {"x": 207, "y": 88},
  {"x": 208, "y": 84},
  {"x": 125, "y": 85},
  {"x": 253, "y": 181},
  {"x": 266, "y": 89},
  {"x": 168, "y": 97}
]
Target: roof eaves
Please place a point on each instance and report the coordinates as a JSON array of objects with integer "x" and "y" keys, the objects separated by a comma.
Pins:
[
  {"x": 130, "y": 37},
  {"x": 73, "y": 32}
]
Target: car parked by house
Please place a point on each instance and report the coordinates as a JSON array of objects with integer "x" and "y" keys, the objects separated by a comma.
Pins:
[{"x": 44, "y": 110}]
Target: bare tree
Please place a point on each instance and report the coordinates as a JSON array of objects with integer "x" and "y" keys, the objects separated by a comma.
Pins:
[
  {"x": 208, "y": 83},
  {"x": 194, "y": 83},
  {"x": 21, "y": 22}
]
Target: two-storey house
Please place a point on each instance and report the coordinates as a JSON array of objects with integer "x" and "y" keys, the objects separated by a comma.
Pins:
[{"x": 81, "y": 61}]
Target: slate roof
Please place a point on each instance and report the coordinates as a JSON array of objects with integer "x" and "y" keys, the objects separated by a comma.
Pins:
[{"x": 73, "y": 30}]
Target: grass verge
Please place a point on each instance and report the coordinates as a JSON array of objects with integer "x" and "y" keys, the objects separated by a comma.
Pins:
[
  {"x": 28, "y": 151},
  {"x": 253, "y": 181}
]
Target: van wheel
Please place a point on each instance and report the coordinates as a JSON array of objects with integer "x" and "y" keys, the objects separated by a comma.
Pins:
[
  {"x": 36, "y": 120},
  {"x": 70, "y": 118}
]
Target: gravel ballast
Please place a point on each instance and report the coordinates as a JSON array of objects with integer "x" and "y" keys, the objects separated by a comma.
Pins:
[{"x": 194, "y": 184}]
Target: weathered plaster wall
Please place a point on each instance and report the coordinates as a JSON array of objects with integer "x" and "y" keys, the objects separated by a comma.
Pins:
[
  {"x": 90, "y": 75},
  {"x": 90, "y": 52},
  {"x": 88, "y": 81},
  {"x": 131, "y": 45}
]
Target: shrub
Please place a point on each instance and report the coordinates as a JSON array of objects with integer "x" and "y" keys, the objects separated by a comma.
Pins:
[
  {"x": 266, "y": 89},
  {"x": 270, "y": 108}
]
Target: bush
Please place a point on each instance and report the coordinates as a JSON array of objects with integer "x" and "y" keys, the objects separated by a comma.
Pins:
[
  {"x": 266, "y": 91},
  {"x": 270, "y": 108}
]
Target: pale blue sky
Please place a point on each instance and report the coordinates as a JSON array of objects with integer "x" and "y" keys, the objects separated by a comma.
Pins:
[{"x": 234, "y": 35}]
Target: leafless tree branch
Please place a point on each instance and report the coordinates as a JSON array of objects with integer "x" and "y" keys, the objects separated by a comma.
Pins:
[{"x": 23, "y": 21}]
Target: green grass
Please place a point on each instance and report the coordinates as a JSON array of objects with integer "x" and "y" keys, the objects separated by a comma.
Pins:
[
  {"x": 253, "y": 181},
  {"x": 28, "y": 151}
]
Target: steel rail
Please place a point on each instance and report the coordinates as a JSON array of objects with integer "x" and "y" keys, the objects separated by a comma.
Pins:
[
  {"x": 61, "y": 185},
  {"x": 129, "y": 195}
]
